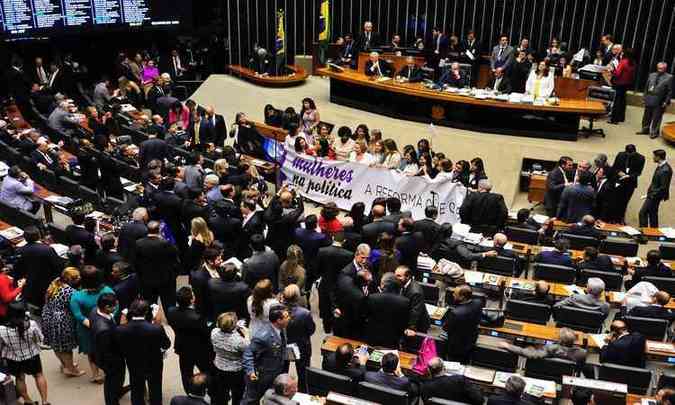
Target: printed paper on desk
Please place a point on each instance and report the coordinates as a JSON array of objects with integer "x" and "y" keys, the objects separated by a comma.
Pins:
[
  {"x": 668, "y": 232},
  {"x": 473, "y": 277},
  {"x": 660, "y": 346},
  {"x": 539, "y": 218},
  {"x": 453, "y": 367},
  {"x": 599, "y": 339},
  {"x": 470, "y": 55},
  {"x": 573, "y": 289},
  {"x": 630, "y": 230}
]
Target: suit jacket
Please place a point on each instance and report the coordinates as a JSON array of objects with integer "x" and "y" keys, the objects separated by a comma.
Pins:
[
  {"x": 218, "y": 128},
  {"x": 300, "y": 330},
  {"x": 658, "y": 89},
  {"x": 259, "y": 266},
  {"x": 474, "y": 48},
  {"x": 506, "y": 399},
  {"x": 187, "y": 400},
  {"x": 653, "y": 311},
  {"x": 418, "y": 318},
  {"x": 661, "y": 270},
  {"x": 142, "y": 345},
  {"x": 632, "y": 165},
  {"x": 150, "y": 149},
  {"x": 413, "y": 75},
  {"x": 77, "y": 235},
  {"x": 266, "y": 354},
  {"x": 355, "y": 372},
  {"x": 311, "y": 241},
  {"x": 575, "y": 202},
  {"x": 555, "y": 184},
  {"x": 429, "y": 230},
  {"x": 38, "y": 158},
  {"x": 206, "y": 134},
  {"x": 452, "y": 388},
  {"x": 226, "y": 296},
  {"x": 169, "y": 206},
  {"x": 384, "y": 68},
  {"x": 554, "y": 257},
  {"x": 582, "y": 229},
  {"x": 126, "y": 291},
  {"x": 388, "y": 380},
  {"x": 330, "y": 261},
  {"x": 659, "y": 189},
  {"x": 410, "y": 245},
  {"x": 441, "y": 44},
  {"x": 453, "y": 81},
  {"x": 386, "y": 318},
  {"x": 585, "y": 301},
  {"x": 349, "y": 299},
  {"x": 193, "y": 338},
  {"x": 254, "y": 225},
  {"x": 371, "y": 232},
  {"x": 362, "y": 45},
  {"x": 104, "y": 345},
  {"x": 156, "y": 261},
  {"x": 129, "y": 234},
  {"x": 504, "y": 85},
  {"x": 628, "y": 350},
  {"x": 505, "y": 60},
  {"x": 105, "y": 260},
  {"x": 484, "y": 209},
  {"x": 461, "y": 325},
  {"x": 39, "y": 265},
  {"x": 602, "y": 263}
]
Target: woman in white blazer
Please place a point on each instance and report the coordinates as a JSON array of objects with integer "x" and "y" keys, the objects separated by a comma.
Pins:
[{"x": 540, "y": 83}]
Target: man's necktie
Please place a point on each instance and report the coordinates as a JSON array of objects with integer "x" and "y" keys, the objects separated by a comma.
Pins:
[{"x": 501, "y": 50}]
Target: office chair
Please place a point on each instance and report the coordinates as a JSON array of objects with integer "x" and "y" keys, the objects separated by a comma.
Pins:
[
  {"x": 46, "y": 178},
  {"x": 68, "y": 187},
  {"x": 605, "y": 96},
  {"x": 619, "y": 247},
  {"x": 666, "y": 284},
  {"x": 554, "y": 273},
  {"x": 613, "y": 280},
  {"x": 504, "y": 266},
  {"x": 578, "y": 242},
  {"x": 321, "y": 382},
  {"x": 525, "y": 311},
  {"x": 637, "y": 379},
  {"x": 25, "y": 218},
  {"x": 651, "y": 328},
  {"x": 579, "y": 319},
  {"x": 522, "y": 235},
  {"x": 492, "y": 357},
  {"x": 89, "y": 195},
  {"x": 58, "y": 233},
  {"x": 381, "y": 394},
  {"x": 550, "y": 369},
  {"x": 667, "y": 379},
  {"x": 667, "y": 250}
]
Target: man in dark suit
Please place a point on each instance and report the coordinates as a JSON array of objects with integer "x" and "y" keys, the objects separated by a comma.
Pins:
[
  {"x": 394, "y": 210},
  {"x": 252, "y": 223},
  {"x": 450, "y": 387},
  {"x": 131, "y": 232},
  {"x": 577, "y": 200},
  {"x": 359, "y": 263},
  {"x": 594, "y": 261},
  {"x": 193, "y": 207},
  {"x": 461, "y": 324},
  {"x": 226, "y": 293},
  {"x": 657, "y": 309},
  {"x": 456, "y": 250},
  {"x": 262, "y": 264},
  {"x": 142, "y": 345},
  {"x": 500, "y": 82},
  {"x": 193, "y": 338},
  {"x": 376, "y": 67},
  {"x": 217, "y": 124},
  {"x": 351, "y": 294},
  {"x": 310, "y": 241},
  {"x": 628, "y": 167},
  {"x": 624, "y": 348},
  {"x": 168, "y": 207},
  {"x": 39, "y": 264},
  {"x": 540, "y": 295},
  {"x": 428, "y": 227},
  {"x": 151, "y": 149},
  {"x": 211, "y": 260},
  {"x": 266, "y": 356},
  {"x": 347, "y": 55},
  {"x": 586, "y": 228},
  {"x": 502, "y": 55},
  {"x": 225, "y": 227},
  {"x": 655, "y": 268},
  {"x": 471, "y": 48},
  {"x": 438, "y": 43},
  {"x": 107, "y": 256},
  {"x": 454, "y": 77},
  {"x": 76, "y": 234},
  {"x": 558, "y": 256},
  {"x": 418, "y": 317},
  {"x": 200, "y": 132},
  {"x": 367, "y": 39},
  {"x": 556, "y": 180},
  {"x": 330, "y": 261},
  {"x": 157, "y": 263},
  {"x": 300, "y": 330},
  {"x": 512, "y": 395},
  {"x": 43, "y": 157},
  {"x": 390, "y": 375},
  {"x": 386, "y": 314},
  {"x": 410, "y": 243},
  {"x": 659, "y": 190},
  {"x": 483, "y": 210},
  {"x": 106, "y": 350},
  {"x": 125, "y": 284},
  {"x": 410, "y": 72},
  {"x": 196, "y": 394},
  {"x": 500, "y": 242},
  {"x": 372, "y": 231}
]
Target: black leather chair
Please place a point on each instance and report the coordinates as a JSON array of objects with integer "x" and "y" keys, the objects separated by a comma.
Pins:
[
  {"x": 667, "y": 379},
  {"x": 613, "y": 280},
  {"x": 504, "y": 266},
  {"x": 495, "y": 358},
  {"x": 68, "y": 187},
  {"x": 25, "y": 218},
  {"x": 554, "y": 273},
  {"x": 47, "y": 178},
  {"x": 522, "y": 235},
  {"x": 619, "y": 247},
  {"x": 667, "y": 250},
  {"x": 13, "y": 157},
  {"x": 666, "y": 284},
  {"x": 550, "y": 369},
  {"x": 89, "y": 195},
  {"x": 58, "y": 233},
  {"x": 578, "y": 242},
  {"x": 382, "y": 395},
  {"x": 8, "y": 213},
  {"x": 321, "y": 382},
  {"x": 525, "y": 311},
  {"x": 440, "y": 401},
  {"x": 431, "y": 293},
  {"x": 654, "y": 329},
  {"x": 579, "y": 319},
  {"x": 637, "y": 379}
]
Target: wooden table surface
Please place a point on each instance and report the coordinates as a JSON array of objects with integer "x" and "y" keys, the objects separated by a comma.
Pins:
[
  {"x": 298, "y": 77},
  {"x": 331, "y": 343},
  {"x": 668, "y": 131}
]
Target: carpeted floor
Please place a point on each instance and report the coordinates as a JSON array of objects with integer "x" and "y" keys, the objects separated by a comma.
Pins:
[{"x": 502, "y": 154}]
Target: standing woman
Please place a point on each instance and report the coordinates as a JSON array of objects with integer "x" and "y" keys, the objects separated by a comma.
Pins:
[
  {"x": 229, "y": 342},
  {"x": 20, "y": 341},
  {"x": 362, "y": 133},
  {"x": 622, "y": 80},
  {"x": 82, "y": 302},
  {"x": 377, "y": 152},
  {"x": 328, "y": 219},
  {"x": 476, "y": 173},
  {"x": 58, "y": 322},
  {"x": 8, "y": 292},
  {"x": 259, "y": 304},
  {"x": 310, "y": 119},
  {"x": 292, "y": 270},
  {"x": 392, "y": 157},
  {"x": 201, "y": 238}
]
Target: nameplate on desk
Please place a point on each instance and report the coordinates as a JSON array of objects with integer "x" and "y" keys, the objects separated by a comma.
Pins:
[
  {"x": 600, "y": 385},
  {"x": 513, "y": 326},
  {"x": 653, "y": 346}
]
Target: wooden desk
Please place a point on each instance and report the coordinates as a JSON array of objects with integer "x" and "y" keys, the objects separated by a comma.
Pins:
[
  {"x": 537, "y": 189},
  {"x": 268, "y": 131},
  {"x": 668, "y": 132},
  {"x": 16, "y": 117},
  {"x": 331, "y": 343},
  {"x": 413, "y": 101},
  {"x": 397, "y": 62},
  {"x": 298, "y": 77},
  {"x": 566, "y": 87}
]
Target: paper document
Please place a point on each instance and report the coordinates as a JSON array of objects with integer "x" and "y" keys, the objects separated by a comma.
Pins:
[
  {"x": 598, "y": 339},
  {"x": 539, "y": 218},
  {"x": 473, "y": 277},
  {"x": 668, "y": 232},
  {"x": 470, "y": 55},
  {"x": 629, "y": 230},
  {"x": 453, "y": 367},
  {"x": 660, "y": 346},
  {"x": 12, "y": 233},
  {"x": 479, "y": 374}
]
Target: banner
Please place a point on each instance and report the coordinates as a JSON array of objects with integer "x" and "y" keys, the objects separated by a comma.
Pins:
[{"x": 346, "y": 183}]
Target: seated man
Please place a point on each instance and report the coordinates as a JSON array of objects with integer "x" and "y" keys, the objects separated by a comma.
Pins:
[
  {"x": 594, "y": 261},
  {"x": 283, "y": 389},
  {"x": 564, "y": 349},
  {"x": 657, "y": 309},
  {"x": 454, "y": 77},
  {"x": 500, "y": 82},
  {"x": 450, "y": 387},
  {"x": 591, "y": 300},
  {"x": 499, "y": 245},
  {"x": 376, "y": 67},
  {"x": 512, "y": 395},
  {"x": 346, "y": 52},
  {"x": 17, "y": 190},
  {"x": 541, "y": 294},
  {"x": 558, "y": 256},
  {"x": 586, "y": 228},
  {"x": 43, "y": 157},
  {"x": 655, "y": 268},
  {"x": 524, "y": 220},
  {"x": 456, "y": 250},
  {"x": 410, "y": 72},
  {"x": 390, "y": 375},
  {"x": 347, "y": 363},
  {"x": 196, "y": 392},
  {"x": 623, "y": 347}
]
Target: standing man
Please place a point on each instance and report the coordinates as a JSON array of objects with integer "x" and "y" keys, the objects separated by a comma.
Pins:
[
  {"x": 106, "y": 350},
  {"x": 502, "y": 55},
  {"x": 471, "y": 48},
  {"x": 628, "y": 166},
  {"x": 368, "y": 39},
  {"x": 659, "y": 190},
  {"x": 217, "y": 124},
  {"x": 556, "y": 180},
  {"x": 657, "y": 95},
  {"x": 418, "y": 317},
  {"x": 461, "y": 324},
  {"x": 266, "y": 357},
  {"x": 330, "y": 261}
]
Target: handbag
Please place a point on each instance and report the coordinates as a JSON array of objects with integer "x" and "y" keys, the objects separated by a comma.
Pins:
[{"x": 426, "y": 352}]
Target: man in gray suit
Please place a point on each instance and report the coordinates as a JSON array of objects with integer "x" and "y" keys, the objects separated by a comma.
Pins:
[
  {"x": 657, "y": 94},
  {"x": 62, "y": 120},
  {"x": 266, "y": 357},
  {"x": 591, "y": 300},
  {"x": 659, "y": 190},
  {"x": 502, "y": 55}
]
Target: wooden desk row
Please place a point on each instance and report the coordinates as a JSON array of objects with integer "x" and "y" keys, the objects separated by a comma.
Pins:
[{"x": 298, "y": 76}]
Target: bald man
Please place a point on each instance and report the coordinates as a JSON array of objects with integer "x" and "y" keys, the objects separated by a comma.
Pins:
[
  {"x": 410, "y": 73},
  {"x": 623, "y": 347},
  {"x": 216, "y": 123},
  {"x": 657, "y": 95},
  {"x": 373, "y": 230},
  {"x": 376, "y": 67}
]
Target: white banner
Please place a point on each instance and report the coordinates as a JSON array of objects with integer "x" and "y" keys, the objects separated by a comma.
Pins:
[{"x": 346, "y": 183}]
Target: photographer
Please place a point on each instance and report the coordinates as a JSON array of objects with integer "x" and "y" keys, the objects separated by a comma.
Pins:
[
  {"x": 17, "y": 190},
  {"x": 282, "y": 216}
]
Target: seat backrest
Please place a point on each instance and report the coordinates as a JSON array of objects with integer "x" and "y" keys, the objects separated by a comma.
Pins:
[
  {"x": 440, "y": 401},
  {"x": 651, "y": 328},
  {"x": 579, "y": 319},
  {"x": 58, "y": 233},
  {"x": 522, "y": 235},
  {"x": 613, "y": 280},
  {"x": 637, "y": 379},
  {"x": 528, "y": 311},
  {"x": 555, "y": 273},
  {"x": 667, "y": 250},
  {"x": 549, "y": 369},
  {"x": 24, "y": 219},
  {"x": 431, "y": 293},
  {"x": 666, "y": 284},
  {"x": 492, "y": 357},
  {"x": 619, "y": 247},
  {"x": 381, "y": 394},
  {"x": 68, "y": 187},
  {"x": 667, "y": 378},
  {"x": 578, "y": 242},
  {"x": 321, "y": 382},
  {"x": 501, "y": 265},
  {"x": 89, "y": 195}
]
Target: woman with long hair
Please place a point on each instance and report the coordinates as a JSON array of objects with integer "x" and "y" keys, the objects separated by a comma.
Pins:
[
  {"x": 360, "y": 154},
  {"x": 20, "y": 341},
  {"x": 259, "y": 304},
  {"x": 272, "y": 116},
  {"x": 200, "y": 238},
  {"x": 310, "y": 118},
  {"x": 229, "y": 342},
  {"x": 302, "y": 147},
  {"x": 362, "y": 133},
  {"x": 622, "y": 79},
  {"x": 392, "y": 157},
  {"x": 476, "y": 173},
  {"x": 82, "y": 302},
  {"x": 8, "y": 292},
  {"x": 540, "y": 83},
  {"x": 425, "y": 166},
  {"x": 179, "y": 114},
  {"x": 358, "y": 217},
  {"x": 386, "y": 257},
  {"x": 377, "y": 152},
  {"x": 292, "y": 270},
  {"x": 409, "y": 164},
  {"x": 461, "y": 173},
  {"x": 58, "y": 322}
]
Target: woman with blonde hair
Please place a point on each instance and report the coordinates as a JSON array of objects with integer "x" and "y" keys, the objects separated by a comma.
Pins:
[
  {"x": 229, "y": 342},
  {"x": 259, "y": 304},
  {"x": 292, "y": 270},
  {"x": 58, "y": 322},
  {"x": 200, "y": 238}
]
